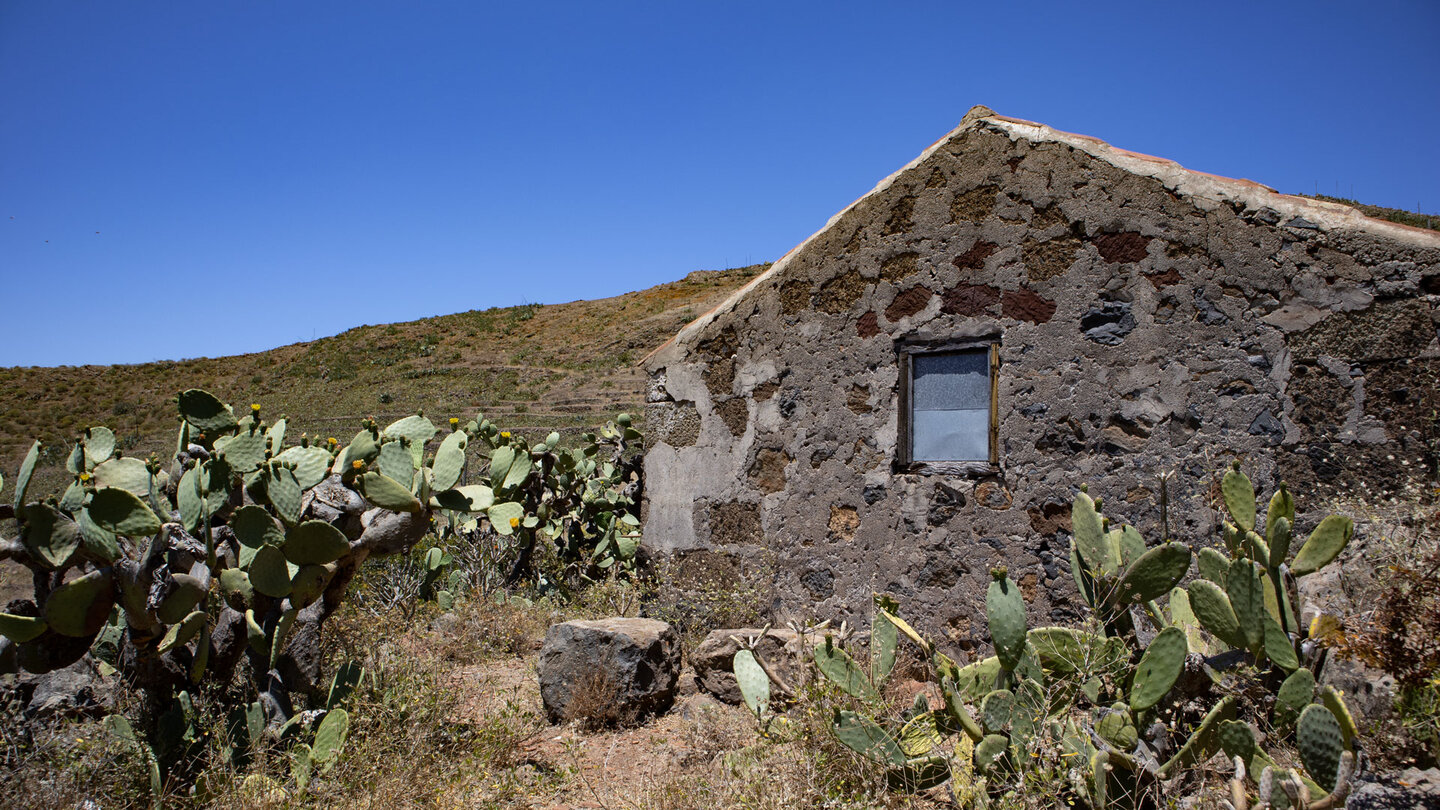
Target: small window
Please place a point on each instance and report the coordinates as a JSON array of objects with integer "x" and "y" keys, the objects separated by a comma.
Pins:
[{"x": 948, "y": 421}]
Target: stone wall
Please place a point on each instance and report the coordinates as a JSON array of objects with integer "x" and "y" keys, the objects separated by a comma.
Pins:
[{"x": 1151, "y": 320}]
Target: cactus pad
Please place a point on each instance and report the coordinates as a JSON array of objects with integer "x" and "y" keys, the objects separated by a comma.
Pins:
[
  {"x": 255, "y": 529},
  {"x": 1277, "y": 645},
  {"x": 1323, "y": 545},
  {"x": 1154, "y": 573},
  {"x": 311, "y": 464},
  {"x": 315, "y": 542},
  {"x": 1091, "y": 540},
  {"x": 974, "y": 681},
  {"x": 841, "y": 669},
  {"x": 396, "y": 462},
  {"x": 27, "y": 469},
  {"x": 1213, "y": 565},
  {"x": 1279, "y": 541},
  {"x": 1239, "y": 496},
  {"x": 121, "y": 512},
  {"x": 387, "y": 493},
  {"x": 1281, "y": 506},
  {"x": 48, "y": 536},
  {"x": 330, "y": 737},
  {"x": 129, "y": 474},
  {"x": 1212, "y": 608},
  {"x": 1005, "y": 609},
  {"x": 285, "y": 493},
  {"x": 1060, "y": 649},
  {"x": 920, "y": 735},
  {"x": 269, "y": 573},
  {"x": 1320, "y": 740},
  {"x": 450, "y": 460},
  {"x": 347, "y": 677},
  {"x": 753, "y": 682},
  {"x": 1115, "y": 726},
  {"x": 236, "y": 588},
  {"x": 309, "y": 582},
  {"x": 417, "y": 430},
  {"x": 1247, "y": 599},
  {"x": 205, "y": 412},
  {"x": 80, "y": 607},
  {"x": 180, "y": 634},
  {"x": 989, "y": 751},
  {"x": 1159, "y": 668},
  {"x": 21, "y": 629},
  {"x": 182, "y": 599},
  {"x": 1130, "y": 543},
  {"x": 99, "y": 443},
  {"x": 245, "y": 451},
  {"x": 1332, "y": 700},
  {"x": 1294, "y": 695},
  {"x": 501, "y": 515},
  {"x": 470, "y": 498},
  {"x": 957, "y": 714},
  {"x": 864, "y": 737},
  {"x": 996, "y": 711}
]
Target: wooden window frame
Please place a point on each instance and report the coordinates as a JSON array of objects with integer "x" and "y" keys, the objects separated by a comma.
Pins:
[{"x": 904, "y": 456}]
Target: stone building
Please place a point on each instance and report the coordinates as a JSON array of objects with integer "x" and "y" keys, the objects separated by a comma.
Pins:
[{"x": 912, "y": 395}]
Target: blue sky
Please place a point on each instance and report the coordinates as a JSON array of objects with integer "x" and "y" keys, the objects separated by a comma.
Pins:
[{"x": 200, "y": 179}]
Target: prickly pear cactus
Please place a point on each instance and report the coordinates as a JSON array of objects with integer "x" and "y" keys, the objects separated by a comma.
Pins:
[{"x": 225, "y": 553}]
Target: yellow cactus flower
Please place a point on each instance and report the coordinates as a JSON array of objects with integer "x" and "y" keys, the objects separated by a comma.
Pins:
[
  {"x": 255, "y": 406},
  {"x": 505, "y": 434},
  {"x": 331, "y": 441},
  {"x": 454, "y": 421},
  {"x": 514, "y": 522},
  {"x": 357, "y": 464},
  {"x": 84, "y": 477}
]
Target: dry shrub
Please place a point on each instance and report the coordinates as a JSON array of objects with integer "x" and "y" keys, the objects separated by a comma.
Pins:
[
  {"x": 1403, "y": 636},
  {"x": 1395, "y": 622},
  {"x": 594, "y": 702}
]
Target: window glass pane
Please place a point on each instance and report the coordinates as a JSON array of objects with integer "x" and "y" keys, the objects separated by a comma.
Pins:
[
  {"x": 952, "y": 435},
  {"x": 955, "y": 380}
]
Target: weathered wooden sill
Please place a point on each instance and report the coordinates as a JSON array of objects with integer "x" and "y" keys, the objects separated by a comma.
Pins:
[{"x": 972, "y": 469}]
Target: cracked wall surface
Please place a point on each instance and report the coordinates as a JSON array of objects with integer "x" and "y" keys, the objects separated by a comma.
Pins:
[{"x": 1148, "y": 324}]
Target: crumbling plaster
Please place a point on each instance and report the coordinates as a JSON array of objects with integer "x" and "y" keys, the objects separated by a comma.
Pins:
[{"x": 1152, "y": 320}]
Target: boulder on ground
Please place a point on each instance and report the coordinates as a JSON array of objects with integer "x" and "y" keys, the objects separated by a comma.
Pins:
[
  {"x": 714, "y": 660},
  {"x": 1411, "y": 789},
  {"x": 609, "y": 670},
  {"x": 74, "y": 691}
]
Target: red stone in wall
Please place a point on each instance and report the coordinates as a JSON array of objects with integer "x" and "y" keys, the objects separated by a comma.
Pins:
[
  {"x": 1025, "y": 305},
  {"x": 968, "y": 299},
  {"x": 1127, "y": 246},
  {"x": 868, "y": 326},
  {"x": 908, "y": 303}
]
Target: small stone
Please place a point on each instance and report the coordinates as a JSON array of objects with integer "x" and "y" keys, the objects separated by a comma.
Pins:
[
  {"x": 1109, "y": 323},
  {"x": 1267, "y": 425}
]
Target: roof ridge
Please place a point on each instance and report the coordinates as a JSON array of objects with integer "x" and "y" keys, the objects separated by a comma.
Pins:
[{"x": 1188, "y": 182}]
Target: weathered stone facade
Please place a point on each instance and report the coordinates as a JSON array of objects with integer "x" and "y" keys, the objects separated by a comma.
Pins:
[{"x": 1150, "y": 319}]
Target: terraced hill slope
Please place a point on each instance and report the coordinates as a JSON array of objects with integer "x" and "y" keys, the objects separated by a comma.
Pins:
[{"x": 531, "y": 368}]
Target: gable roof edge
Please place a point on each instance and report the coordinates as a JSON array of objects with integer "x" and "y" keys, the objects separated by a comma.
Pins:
[
  {"x": 1218, "y": 188},
  {"x": 666, "y": 352},
  {"x": 1190, "y": 183}
]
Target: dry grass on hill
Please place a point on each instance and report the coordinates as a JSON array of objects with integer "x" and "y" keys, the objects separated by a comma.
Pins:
[{"x": 532, "y": 368}]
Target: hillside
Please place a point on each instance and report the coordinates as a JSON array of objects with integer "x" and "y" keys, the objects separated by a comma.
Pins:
[
  {"x": 532, "y": 368},
  {"x": 1414, "y": 219}
]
